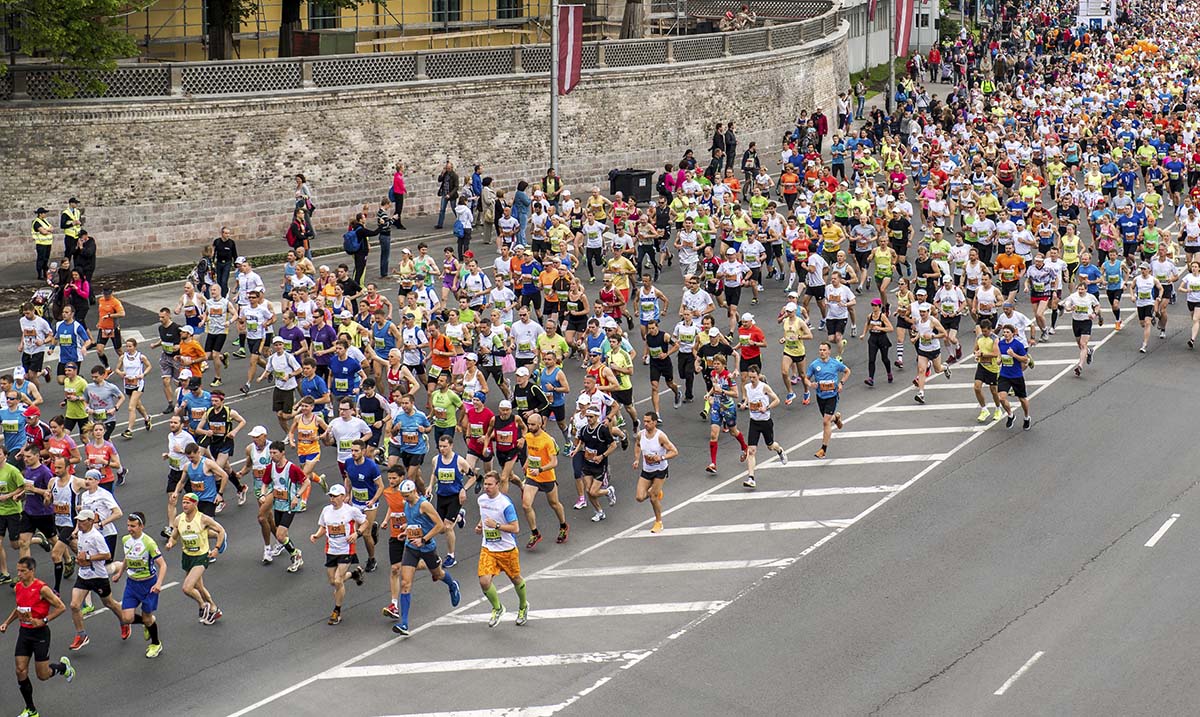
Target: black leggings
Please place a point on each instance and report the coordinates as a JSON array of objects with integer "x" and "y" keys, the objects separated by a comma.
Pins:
[
  {"x": 464, "y": 243},
  {"x": 645, "y": 251},
  {"x": 595, "y": 254},
  {"x": 878, "y": 343}
]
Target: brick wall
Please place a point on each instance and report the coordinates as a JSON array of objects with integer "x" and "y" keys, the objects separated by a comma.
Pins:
[{"x": 168, "y": 174}]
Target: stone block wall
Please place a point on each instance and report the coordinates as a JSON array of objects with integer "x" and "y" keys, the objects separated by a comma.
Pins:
[{"x": 170, "y": 173}]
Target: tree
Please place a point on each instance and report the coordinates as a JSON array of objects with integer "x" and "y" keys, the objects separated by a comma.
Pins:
[
  {"x": 289, "y": 20},
  {"x": 84, "y": 34},
  {"x": 633, "y": 21},
  {"x": 225, "y": 17}
]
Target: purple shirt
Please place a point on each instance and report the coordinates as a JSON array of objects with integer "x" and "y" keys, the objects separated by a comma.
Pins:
[
  {"x": 41, "y": 477},
  {"x": 322, "y": 339}
]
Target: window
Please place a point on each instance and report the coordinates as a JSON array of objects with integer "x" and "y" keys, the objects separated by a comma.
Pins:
[
  {"x": 509, "y": 9},
  {"x": 323, "y": 16},
  {"x": 923, "y": 19},
  {"x": 446, "y": 10}
]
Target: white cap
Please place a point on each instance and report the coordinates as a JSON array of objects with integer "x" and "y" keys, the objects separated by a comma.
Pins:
[
  {"x": 714, "y": 331},
  {"x": 185, "y": 374},
  {"x": 506, "y": 404},
  {"x": 85, "y": 514},
  {"x": 337, "y": 489},
  {"x": 608, "y": 322},
  {"x": 185, "y": 329},
  {"x": 18, "y": 373},
  {"x": 240, "y": 260},
  {"x": 471, "y": 357},
  {"x": 523, "y": 371},
  {"x": 278, "y": 340},
  {"x": 406, "y": 486},
  {"x": 582, "y": 401},
  {"x": 258, "y": 431},
  {"x": 789, "y": 306},
  {"x": 731, "y": 251},
  {"x": 924, "y": 306},
  {"x": 747, "y": 316}
]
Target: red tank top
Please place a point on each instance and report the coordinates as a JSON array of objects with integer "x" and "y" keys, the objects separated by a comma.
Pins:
[{"x": 30, "y": 603}]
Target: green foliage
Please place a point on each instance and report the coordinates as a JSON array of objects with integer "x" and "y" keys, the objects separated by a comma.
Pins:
[{"x": 86, "y": 34}]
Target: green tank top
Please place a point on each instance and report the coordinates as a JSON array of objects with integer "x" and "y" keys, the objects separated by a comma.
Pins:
[
  {"x": 1150, "y": 243},
  {"x": 619, "y": 359},
  {"x": 883, "y": 264}
]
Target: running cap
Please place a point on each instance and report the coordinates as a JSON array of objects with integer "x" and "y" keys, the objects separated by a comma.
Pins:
[
  {"x": 582, "y": 401},
  {"x": 405, "y": 487},
  {"x": 714, "y": 331},
  {"x": 522, "y": 371},
  {"x": 747, "y": 316},
  {"x": 337, "y": 489},
  {"x": 85, "y": 514},
  {"x": 506, "y": 404},
  {"x": 480, "y": 396},
  {"x": 789, "y": 306},
  {"x": 192, "y": 497},
  {"x": 258, "y": 431}
]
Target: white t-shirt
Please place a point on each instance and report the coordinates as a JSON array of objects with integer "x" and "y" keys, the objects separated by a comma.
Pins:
[
  {"x": 1081, "y": 308},
  {"x": 838, "y": 299},
  {"x": 340, "y": 524},
  {"x": 282, "y": 366},
  {"x": 92, "y": 543},
  {"x": 345, "y": 432},
  {"x": 698, "y": 301},
  {"x": 525, "y": 335},
  {"x": 32, "y": 331},
  {"x": 102, "y": 503}
]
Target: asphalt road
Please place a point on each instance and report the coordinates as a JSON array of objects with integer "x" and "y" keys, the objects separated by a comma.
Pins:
[{"x": 826, "y": 591}]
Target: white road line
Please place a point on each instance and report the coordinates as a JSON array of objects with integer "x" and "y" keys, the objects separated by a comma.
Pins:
[
  {"x": 485, "y": 663},
  {"x": 805, "y": 493},
  {"x": 742, "y": 528},
  {"x": 540, "y": 711},
  {"x": 858, "y": 461},
  {"x": 101, "y": 610},
  {"x": 661, "y": 608},
  {"x": 634, "y": 529},
  {"x": 1162, "y": 531},
  {"x": 923, "y": 407},
  {"x": 1017, "y": 675},
  {"x": 604, "y": 572},
  {"x": 968, "y": 386},
  {"x": 890, "y": 432}
]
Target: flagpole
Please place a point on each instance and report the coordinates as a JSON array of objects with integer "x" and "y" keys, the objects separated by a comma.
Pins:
[
  {"x": 891, "y": 85},
  {"x": 554, "y": 74}
]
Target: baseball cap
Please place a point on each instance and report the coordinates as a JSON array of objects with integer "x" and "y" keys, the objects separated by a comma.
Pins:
[
  {"x": 241, "y": 260},
  {"x": 337, "y": 489},
  {"x": 18, "y": 373},
  {"x": 279, "y": 340},
  {"x": 876, "y": 302},
  {"x": 731, "y": 251},
  {"x": 922, "y": 290},
  {"x": 747, "y": 316},
  {"x": 523, "y": 371},
  {"x": 789, "y": 306},
  {"x": 406, "y": 486},
  {"x": 593, "y": 411},
  {"x": 192, "y": 497},
  {"x": 33, "y": 412},
  {"x": 471, "y": 357},
  {"x": 85, "y": 514},
  {"x": 595, "y": 351},
  {"x": 185, "y": 329},
  {"x": 582, "y": 401},
  {"x": 185, "y": 374},
  {"x": 481, "y": 396},
  {"x": 924, "y": 306},
  {"x": 258, "y": 431},
  {"x": 946, "y": 280},
  {"x": 714, "y": 331},
  {"x": 506, "y": 404}
]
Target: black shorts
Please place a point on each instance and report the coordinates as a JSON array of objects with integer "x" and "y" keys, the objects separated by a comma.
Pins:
[
  {"x": 64, "y": 532},
  {"x": 283, "y": 518},
  {"x": 493, "y": 372},
  {"x": 214, "y": 342},
  {"x": 744, "y": 364},
  {"x": 592, "y": 470},
  {"x": 113, "y": 338},
  {"x": 835, "y": 326},
  {"x": 661, "y": 369},
  {"x": 503, "y": 457},
  {"x": 756, "y": 274},
  {"x": 332, "y": 561},
  {"x": 862, "y": 258},
  {"x": 100, "y": 586},
  {"x": 417, "y": 369},
  {"x": 827, "y": 406},
  {"x": 765, "y": 429},
  {"x": 1015, "y": 386},
  {"x": 254, "y": 346},
  {"x": 1193, "y": 305},
  {"x": 543, "y": 487},
  {"x": 395, "y": 551},
  {"x": 654, "y": 475},
  {"x": 1009, "y": 287},
  {"x": 413, "y": 557},
  {"x": 1114, "y": 295},
  {"x": 43, "y": 523},
  {"x": 34, "y": 642},
  {"x": 283, "y": 400},
  {"x": 1168, "y": 291},
  {"x": 1145, "y": 312},
  {"x": 1081, "y": 327},
  {"x": 986, "y": 377},
  {"x": 817, "y": 292},
  {"x": 558, "y": 413},
  {"x": 950, "y": 323},
  {"x": 207, "y": 507},
  {"x": 623, "y": 397},
  {"x": 32, "y": 363},
  {"x": 221, "y": 445},
  {"x": 448, "y": 506},
  {"x": 931, "y": 355},
  {"x": 412, "y": 460},
  {"x": 11, "y": 524},
  {"x": 173, "y": 478},
  {"x": 733, "y": 295}
]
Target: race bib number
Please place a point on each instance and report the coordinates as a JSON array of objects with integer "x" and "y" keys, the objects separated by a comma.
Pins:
[
  {"x": 415, "y": 532},
  {"x": 491, "y": 535},
  {"x": 336, "y": 531},
  {"x": 410, "y": 438},
  {"x": 446, "y": 475},
  {"x": 827, "y": 385}
]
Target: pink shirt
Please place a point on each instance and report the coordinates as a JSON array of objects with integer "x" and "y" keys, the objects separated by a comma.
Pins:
[{"x": 398, "y": 183}]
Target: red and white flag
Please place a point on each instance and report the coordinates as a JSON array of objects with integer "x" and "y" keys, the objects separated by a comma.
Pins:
[
  {"x": 871, "y": 10},
  {"x": 904, "y": 23},
  {"x": 570, "y": 47}
]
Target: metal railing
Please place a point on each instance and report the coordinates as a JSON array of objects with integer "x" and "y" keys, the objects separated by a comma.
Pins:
[{"x": 246, "y": 77}]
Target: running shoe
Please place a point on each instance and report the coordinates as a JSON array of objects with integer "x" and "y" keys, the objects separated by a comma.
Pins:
[
  {"x": 400, "y": 628},
  {"x": 225, "y": 359},
  {"x": 820, "y": 453},
  {"x": 240, "y": 353},
  {"x": 1051, "y": 330},
  {"x": 126, "y": 631},
  {"x": 145, "y": 633},
  {"x": 1008, "y": 422},
  {"x": 657, "y": 527},
  {"x": 534, "y": 539},
  {"x": 276, "y": 549},
  {"x": 69, "y": 566},
  {"x": 870, "y": 382},
  {"x": 216, "y": 382},
  {"x": 711, "y": 468},
  {"x": 149, "y": 425},
  {"x": 837, "y": 420},
  {"x": 998, "y": 414},
  {"x": 79, "y": 642},
  {"x": 1191, "y": 345},
  {"x": 297, "y": 562},
  {"x": 391, "y": 611},
  {"x": 678, "y": 399},
  {"x": 1117, "y": 327},
  {"x": 153, "y": 651},
  {"x": 806, "y": 399},
  {"x": 241, "y": 495},
  {"x": 245, "y": 389},
  {"x": 983, "y": 414},
  {"x": 889, "y": 376},
  {"x": 946, "y": 373},
  {"x": 221, "y": 507},
  {"x": 1142, "y": 350},
  {"x": 497, "y": 613},
  {"x": 790, "y": 397},
  {"x": 749, "y": 482},
  {"x": 581, "y": 503},
  {"x": 919, "y": 397},
  {"x": 1027, "y": 424},
  {"x": 522, "y": 615},
  {"x": 455, "y": 594},
  {"x": 461, "y": 520},
  {"x": 372, "y": 565},
  {"x": 1162, "y": 334},
  {"x": 68, "y": 670},
  {"x": 449, "y": 562},
  {"x": 127, "y": 434},
  {"x": 1078, "y": 371},
  {"x": 598, "y": 516},
  {"x": 782, "y": 456},
  {"x": 42, "y": 540},
  {"x": 87, "y": 609},
  {"x": 166, "y": 531},
  {"x": 214, "y": 615},
  {"x": 335, "y": 618},
  {"x": 612, "y": 495},
  {"x": 899, "y": 363},
  {"x": 169, "y": 409},
  {"x": 563, "y": 533},
  {"x": 357, "y": 575}
]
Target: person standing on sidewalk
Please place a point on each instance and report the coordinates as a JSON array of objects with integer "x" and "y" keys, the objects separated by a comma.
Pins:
[
  {"x": 43, "y": 242},
  {"x": 224, "y": 252},
  {"x": 447, "y": 190},
  {"x": 85, "y": 255},
  {"x": 364, "y": 247},
  {"x": 71, "y": 222},
  {"x": 396, "y": 194}
]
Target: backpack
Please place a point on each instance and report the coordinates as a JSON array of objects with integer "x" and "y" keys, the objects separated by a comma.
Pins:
[
  {"x": 350, "y": 242},
  {"x": 459, "y": 229}
]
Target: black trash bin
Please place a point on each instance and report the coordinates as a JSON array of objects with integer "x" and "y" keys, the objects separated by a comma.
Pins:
[{"x": 632, "y": 183}]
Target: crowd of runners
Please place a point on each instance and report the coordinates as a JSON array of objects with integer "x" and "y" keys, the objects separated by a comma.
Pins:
[{"x": 455, "y": 392}]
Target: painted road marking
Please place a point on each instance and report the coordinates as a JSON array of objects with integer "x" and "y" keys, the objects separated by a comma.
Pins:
[
  {"x": 642, "y": 526},
  {"x": 969, "y": 386},
  {"x": 1017, "y": 675},
  {"x": 923, "y": 407},
  {"x": 858, "y": 460},
  {"x": 661, "y": 568},
  {"x": 805, "y": 493},
  {"x": 599, "y": 611},
  {"x": 541, "y": 711},
  {"x": 891, "y": 432},
  {"x": 743, "y": 528},
  {"x": 1162, "y": 530},
  {"x": 484, "y": 663}
]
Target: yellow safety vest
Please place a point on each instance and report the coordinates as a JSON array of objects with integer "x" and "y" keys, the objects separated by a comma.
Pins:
[
  {"x": 73, "y": 215},
  {"x": 40, "y": 238}
]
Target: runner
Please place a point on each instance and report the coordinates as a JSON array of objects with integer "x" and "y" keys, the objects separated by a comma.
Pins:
[
  {"x": 147, "y": 569},
  {"x": 540, "y": 462},
  {"x": 987, "y": 369},
  {"x": 927, "y": 334},
  {"x": 37, "y": 605},
  {"x": 722, "y": 399},
  {"x": 652, "y": 453},
  {"x": 133, "y": 367},
  {"x": 93, "y": 577},
  {"x": 760, "y": 399},
  {"x": 422, "y": 525},
  {"x": 795, "y": 333},
  {"x": 192, "y": 528},
  {"x": 177, "y": 442},
  {"x": 341, "y": 525},
  {"x": 1013, "y": 360},
  {"x": 499, "y": 527},
  {"x": 593, "y": 445},
  {"x": 364, "y": 486},
  {"x": 1083, "y": 308},
  {"x": 1145, "y": 288},
  {"x": 827, "y": 376},
  {"x": 217, "y": 432},
  {"x": 284, "y": 484},
  {"x": 451, "y": 475}
]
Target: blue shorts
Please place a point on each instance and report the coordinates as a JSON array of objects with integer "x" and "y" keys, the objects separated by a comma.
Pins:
[
  {"x": 138, "y": 593},
  {"x": 723, "y": 415},
  {"x": 306, "y": 457}
]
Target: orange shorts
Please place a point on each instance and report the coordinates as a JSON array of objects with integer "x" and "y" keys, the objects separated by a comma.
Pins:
[{"x": 507, "y": 562}]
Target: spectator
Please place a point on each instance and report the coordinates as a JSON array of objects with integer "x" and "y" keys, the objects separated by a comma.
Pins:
[
  {"x": 43, "y": 242},
  {"x": 300, "y": 231},
  {"x": 224, "y": 252},
  {"x": 476, "y": 184},
  {"x": 465, "y": 217},
  {"x": 487, "y": 200},
  {"x": 78, "y": 294},
  {"x": 447, "y": 190},
  {"x": 397, "y": 193},
  {"x": 718, "y": 140},
  {"x": 304, "y": 196},
  {"x": 521, "y": 206},
  {"x": 821, "y": 124},
  {"x": 85, "y": 255},
  {"x": 364, "y": 247},
  {"x": 71, "y": 222},
  {"x": 731, "y": 144},
  {"x": 553, "y": 186}
]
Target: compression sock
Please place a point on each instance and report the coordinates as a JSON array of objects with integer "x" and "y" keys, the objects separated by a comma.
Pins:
[
  {"x": 153, "y": 628},
  {"x": 741, "y": 439},
  {"x": 104, "y": 360},
  {"x": 712, "y": 451},
  {"x": 405, "y": 603},
  {"x": 492, "y": 597},
  {"x": 242, "y": 341},
  {"x": 521, "y": 594},
  {"x": 900, "y": 353},
  {"x": 291, "y": 549},
  {"x": 27, "y": 693},
  {"x": 446, "y": 578},
  {"x": 58, "y": 576},
  {"x": 1054, "y": 318}
]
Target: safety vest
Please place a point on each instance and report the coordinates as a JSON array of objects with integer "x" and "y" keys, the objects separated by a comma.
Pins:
[
  {"x": 40, "y": 238},
  {"x": 73, "y": 215},
  {"x": 988, "y": 87}
]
